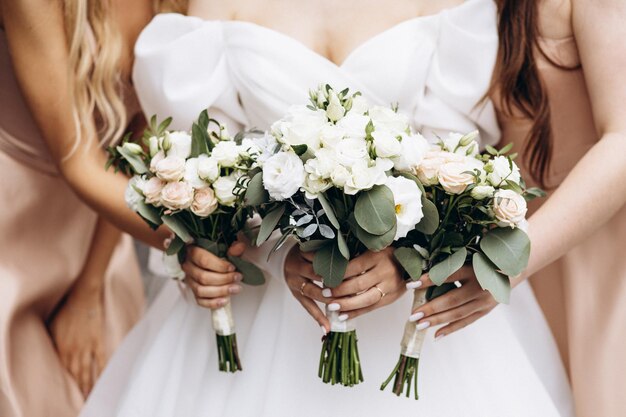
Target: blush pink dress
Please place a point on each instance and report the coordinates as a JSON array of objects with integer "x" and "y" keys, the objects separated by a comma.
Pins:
[
  {"x": 583, "y": 294},
  {"x": 45, "y": 235}
]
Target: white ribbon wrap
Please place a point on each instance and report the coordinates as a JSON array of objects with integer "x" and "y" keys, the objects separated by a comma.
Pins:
[
  {"x": 223, "y": 322},
  {"x": 413, "y": 339},
  {"x": 337, "y": 325}
]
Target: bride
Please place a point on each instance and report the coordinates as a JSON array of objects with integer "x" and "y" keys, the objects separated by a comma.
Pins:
[{"x": 248, "y": 62}]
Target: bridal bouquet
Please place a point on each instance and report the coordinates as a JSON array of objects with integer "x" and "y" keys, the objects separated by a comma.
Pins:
[
  {"x": 330, "y": 178},
  {"x": 476, "y": 206},
  {"x": 194, "y": 184}
]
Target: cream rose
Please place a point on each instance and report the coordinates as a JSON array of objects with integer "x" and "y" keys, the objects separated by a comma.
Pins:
[
  {"x": 509, "y": 208},
  {"x": 204, "y": 202},
  {"x": 454, "y": 176},
  {"x": 177, "y": 195},
  {"x": 171, "y": 168},
  {"x": 152, "y": 189},
  {"x": 156, "y": 158}
]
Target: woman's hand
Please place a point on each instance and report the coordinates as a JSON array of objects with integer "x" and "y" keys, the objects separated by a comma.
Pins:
[
  {"x": 458, "y": 307},
  {"x": 212, "y": 279},
  {"x": 373, "y": 280},
  {"x": 77, "y": 330}
]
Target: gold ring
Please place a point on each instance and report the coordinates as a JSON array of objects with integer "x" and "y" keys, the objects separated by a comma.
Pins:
[
  {"x": 382, "y": 293},
  {"x": 302, "y": 287}
]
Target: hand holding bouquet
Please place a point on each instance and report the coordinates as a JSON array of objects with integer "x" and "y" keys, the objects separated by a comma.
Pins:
[{"x": 194, "y": 184}]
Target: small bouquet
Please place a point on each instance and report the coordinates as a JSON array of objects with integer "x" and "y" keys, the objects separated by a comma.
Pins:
[
  {"x": 194, "y": 184},
  {"x": 331, "y": 178},
  {"x": 476, "y": 208}
]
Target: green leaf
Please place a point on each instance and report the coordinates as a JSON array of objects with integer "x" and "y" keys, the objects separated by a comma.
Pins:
[
  {"x": 135, "y": 161},
  {"x": 177, "y": 226},
  {"x": 490, "y": 279},
  {"x": 150, "y": 213},
  {"x": 217, "y": 249},
  {"x": 411, "y": 261},
  {"x": 506, "y": 149},
  {"x": 375, "y": 242},
  {"x": 256, "y": 194},
  {"x": 328, "y": 210},
  {"x": 329, "y": 263},
  {"x": 269, "y": 223},
  {"x": 430, "y": 222},
  {"x": 312, "y": 245},
  {"x": 163, "y": 125},
  {"x": 439, "y": 290},
  {"x": 199, "y": 141},
  {"x": 491, "y": 150},
  {"x": 343, "y": 246},
  {"x": 440, "y": 272},
  {"x": 252, "y": 275},
  {"x": 175, "y": 247},
  {"x": 375, "y": 210},
  {"x": 508, "y": 248},
  {"x": 299, "y": 149}
]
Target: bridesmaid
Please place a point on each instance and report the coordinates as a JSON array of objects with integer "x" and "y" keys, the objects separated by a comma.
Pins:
[
  {"x": 560, "y": 86},
  {"x": 54, "y": 281}
]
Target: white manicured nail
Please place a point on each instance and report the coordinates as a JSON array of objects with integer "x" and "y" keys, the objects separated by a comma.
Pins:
[
  {"x": 342, "y": 317},
  {"x": 439, "y": 337},
  {"x": 326, "y": 292},
  {"x": 334, "y": 307},
  {"x": 413, "y": 285},
  {"x": 423, "y": 325},
  {"x": 416, "y": 316},
  {"x": 323, "y": 330}
]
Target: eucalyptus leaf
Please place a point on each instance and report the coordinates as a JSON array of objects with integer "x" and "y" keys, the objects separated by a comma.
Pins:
[
  {"x": 329, "y": 263},
  {"x": 199, "y": 141},
  {"x": 375, "y": 242},
  {"x": 312, "y": 245},
  {"x": 490, "y": 279},
  {"x": 430, "y": 222},
  {"x": 328, "y": 209},
  {"x": 299, "y": 149},
  {"x": 252, "y": 275},
  {"x": 411, "y": 261},
  {"x": 439, "y": 290},
  {"x": 256, "y": 194},
  {"x": 217, "y": 249},
  {"x": 375, "y": 211},
  {"x": 441, "y": 271},
  {"x": 326, "y": 231},
  {"x": 175, "y": 246},
  {"x": 343, "y": 246},
  {"x": 177, "y": 227},
  {"x": 135, "y": 161},
  {"x": 508, "y": 248},
  {"x": 150, "y": 213},
  {"x": 269, "y": 223},
  {"x": 308, "y": 231},
  {"x": 304, "y": 220}
]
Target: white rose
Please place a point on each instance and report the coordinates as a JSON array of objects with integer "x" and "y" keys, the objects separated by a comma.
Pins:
[
  {"x": 156, "y": 158},
  {"x": 364, "y": 177},
  {"x": 267, "y": 145},
  {"x": 354, "y": 125},
  {"x": 501, "y": 170},
  {"x": 301, "y": 126},
  {"x": 385, "y": 118},
  {"x": 454, "y": 177},
  {"x": 152, "y": 190},
  {"x": 462, "y": 144},
  {"x": 408, "y": 201},
  {"x": 331, "y": 135},
  {"x": 226, "y": 154},
  {"x": 133, "y": 148},
  {"x": 509, "y": 207},
  {"x": 204, "y": 202},
  {"x": 133, "y": 192},
  {"x": 180, "y": 144},
  {"x": 249, "y": 147},
  {"x": 335, "y": 110},
  {"x": 191, "y": 174},
  {"x": 351, "y": 151},
  {"x": 283, "y": 175},
  {"x": 177, "y": 195},
  {"x": 340, "y": 175},
  {"x": 313, "y": 186},
  {"x": 480, "y": 192},
  {"x": 386, "y": 144},
  {"x": 359, "y": 105},
  {"x": 322, "y": 165},
  {"x": 414, "y": 148},
  {"x": 208, "y": 168},
  {"x": 224, "y": 187},
  {"x": 171, "y": 168}
]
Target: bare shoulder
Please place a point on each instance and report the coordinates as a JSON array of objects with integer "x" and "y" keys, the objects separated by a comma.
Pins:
[
  {"x": 555, "y": 18},
  {"x": 214, "y": 9}
]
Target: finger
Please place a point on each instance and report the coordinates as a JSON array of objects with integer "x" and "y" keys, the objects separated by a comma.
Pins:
[
  {"x": 307, "y": 256},
  {"x": 360, "y": 264},
  {"x": 355, "y": 285},
  {"x": 389, "y": 298},
  {"x": 206, "y": 260},
  {"x": 74, "y": 368},
  {"x": 237, "y": 249},
  {"x": 85, "y": 372},
  {"x": 459, "y": 324},
  {"x": 311, "y": 290},
  {"x": 314, "y": 311},
  {"x": 100, "y": 359},
  {"x": 460, "y": 275},
  {"x": 212, "y": 303},
  {"x": 204, "y": 277},
  {"x": 449, "y": 300},
  {"x": 365, "y": 299},
  {"x": 452, "y": 315},
  {"x": 210, "y": 291}
]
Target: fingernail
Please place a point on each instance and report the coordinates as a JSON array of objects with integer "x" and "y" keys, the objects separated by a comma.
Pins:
[
  {"x": 439, "y": 337},
  {"x": 423, "y": 325},
  {"x": 416, "y": 316},
  {"x": 221, "y": 303},
  {"x": 326, "y": 292},
  {"x": 323, "y": 330},
  {"x": 334, "y": 307},
  {"x": 237, "y": 277},
  {"x": 413, "y": 285},
  {"x": 342, "y": 317},
  {"x": 234, "y": 289},
  {"x": 231, "y": 268}
]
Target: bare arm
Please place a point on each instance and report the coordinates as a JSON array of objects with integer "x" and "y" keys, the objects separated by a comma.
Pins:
[
  {"x": 595, "y": 190},
  {"x": 37, "y": 44}
]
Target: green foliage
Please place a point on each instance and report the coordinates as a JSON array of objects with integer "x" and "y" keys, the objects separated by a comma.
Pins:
[
  {"x": 177, "y": 226},
  {"x": 330, "y": 264},
  {"x": 490, "y": 279},
  {"x": 441, "y": 271},
  {"x": 375, "y": 210},
  {"x": 269, "y": 223},
  {"x": 430, "y": 222},
  {"x": 507, "y": 248},
  {"x": 411, "y": 261},
  {"x": 252, "y": 275},
  {"x": 256, "y": 194}
]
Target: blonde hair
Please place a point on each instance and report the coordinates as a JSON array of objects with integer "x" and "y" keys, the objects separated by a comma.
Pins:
[{"x": 95, "y": 52}]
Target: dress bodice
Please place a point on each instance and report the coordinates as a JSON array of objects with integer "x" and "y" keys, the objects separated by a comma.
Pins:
[{"x": 437, "y": 68}]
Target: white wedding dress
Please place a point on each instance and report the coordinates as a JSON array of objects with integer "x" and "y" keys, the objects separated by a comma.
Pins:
[{"x": 437, "y": 68}]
